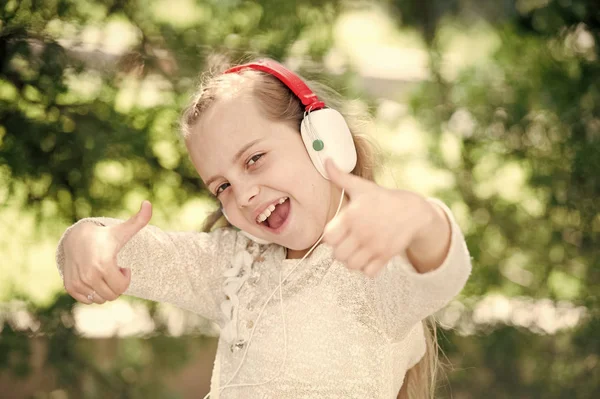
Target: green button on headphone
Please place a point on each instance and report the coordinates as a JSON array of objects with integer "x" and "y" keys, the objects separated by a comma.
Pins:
[{"x": 318, "y": 145}]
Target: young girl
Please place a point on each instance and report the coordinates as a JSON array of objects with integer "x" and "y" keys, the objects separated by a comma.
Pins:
[{"x": 323, "y": 287}]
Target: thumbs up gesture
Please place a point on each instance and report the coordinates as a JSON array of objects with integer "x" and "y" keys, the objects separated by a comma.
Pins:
[
  {"x": 379, "y": 223},
  {"x": 91, "y": 273}
]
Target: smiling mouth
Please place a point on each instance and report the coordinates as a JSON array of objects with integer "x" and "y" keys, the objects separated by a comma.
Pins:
[{"x": 275, "y": 215}]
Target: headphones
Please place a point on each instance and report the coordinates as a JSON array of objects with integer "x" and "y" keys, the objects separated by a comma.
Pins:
[{"x": 324, "y": 131}]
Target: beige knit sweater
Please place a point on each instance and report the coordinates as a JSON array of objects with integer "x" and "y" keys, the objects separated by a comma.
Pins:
[{"x": 340, "y": 334}]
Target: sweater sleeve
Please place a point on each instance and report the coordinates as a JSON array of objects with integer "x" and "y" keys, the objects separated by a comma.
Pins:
[
  {"x": 182, "y": 268},
  {"x": 404, "y": 296}
]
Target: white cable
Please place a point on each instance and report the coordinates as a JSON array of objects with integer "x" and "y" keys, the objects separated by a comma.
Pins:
[{"x": 280, "y": 288}]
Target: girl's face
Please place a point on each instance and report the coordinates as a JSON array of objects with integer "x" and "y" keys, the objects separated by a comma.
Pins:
[{"x": 253, "y": 164}]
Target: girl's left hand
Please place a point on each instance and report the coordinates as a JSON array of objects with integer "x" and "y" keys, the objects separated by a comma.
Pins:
[{"x": 377, "y": 224}]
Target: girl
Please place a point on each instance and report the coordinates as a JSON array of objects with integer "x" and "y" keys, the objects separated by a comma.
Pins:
[{"x": 299, "y": 318}]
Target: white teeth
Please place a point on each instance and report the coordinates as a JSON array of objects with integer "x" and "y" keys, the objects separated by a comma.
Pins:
[{"x": 267, "y": 212}]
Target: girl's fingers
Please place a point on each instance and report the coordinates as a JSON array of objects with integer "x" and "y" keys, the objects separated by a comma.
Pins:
[
  {"x": 96, "y": 298},
  {"x": 336, "y": 230},
  {"x": 81, "y": 298},
  {"x": 84, "y": 293},
  {"x": 117, "y": 279},
  {"x": 89, "y": 294},
  {"x": 73, "y": 285},
  {"x": 96, "y": 288},
  {"x": 345, "y": 248},
  {"x": 359, "y": 259},
  {"x": 374, "y": 267},
  {"x": 103, "y": 290},
  {"x": 401, "y": 242}
]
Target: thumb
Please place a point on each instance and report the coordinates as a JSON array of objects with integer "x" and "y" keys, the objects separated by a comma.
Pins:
[
  {"x": 126, "y": 230},
  {"x": 351, "y": 183}
]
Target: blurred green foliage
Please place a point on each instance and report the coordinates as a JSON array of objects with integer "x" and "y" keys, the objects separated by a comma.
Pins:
[
  {"x": 534, "y": 108},
  {"x": 75, "y": 139},
  {"x": 91, "y": 130}
]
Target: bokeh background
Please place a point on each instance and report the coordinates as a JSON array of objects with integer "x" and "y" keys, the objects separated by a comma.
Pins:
[{"x": 491, "y": 105}]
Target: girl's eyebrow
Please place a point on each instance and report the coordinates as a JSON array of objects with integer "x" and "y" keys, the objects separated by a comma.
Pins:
[
  {"x": 237, "y": 156},
  {"x": 242, "y": 150}
]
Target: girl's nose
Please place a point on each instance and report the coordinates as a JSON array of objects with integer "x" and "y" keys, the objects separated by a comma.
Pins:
[{"x": 246, "y": 194}]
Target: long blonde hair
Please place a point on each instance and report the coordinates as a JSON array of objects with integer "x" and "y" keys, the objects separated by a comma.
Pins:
[{"x": 281, "y": 104}]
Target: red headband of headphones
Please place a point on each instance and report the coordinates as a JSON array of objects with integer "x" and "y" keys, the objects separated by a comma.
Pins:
[{"x": 309, "y": 99}]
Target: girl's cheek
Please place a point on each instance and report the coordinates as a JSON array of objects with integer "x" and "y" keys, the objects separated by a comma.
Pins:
[{"x": 225, "y": 204}]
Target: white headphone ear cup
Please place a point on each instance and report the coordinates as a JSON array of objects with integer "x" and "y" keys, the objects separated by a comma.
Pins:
[
  {"x": 329, "y": 126},
  {"x": 250, "y": 236}
]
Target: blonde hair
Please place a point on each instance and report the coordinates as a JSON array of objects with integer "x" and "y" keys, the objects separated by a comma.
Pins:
[{"x": 281, "y": 104}]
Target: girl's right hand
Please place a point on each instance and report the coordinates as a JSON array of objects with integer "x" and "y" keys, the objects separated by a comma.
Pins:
[{"x": 91, "y": 273}]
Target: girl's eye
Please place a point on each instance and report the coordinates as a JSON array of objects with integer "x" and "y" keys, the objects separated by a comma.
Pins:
[
  {"x": 254, "y": 159},
  {"x": 221, "y": 188},
  {"x": 251, "y": 162}
]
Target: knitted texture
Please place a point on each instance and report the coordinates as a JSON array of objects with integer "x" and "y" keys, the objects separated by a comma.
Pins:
[{"x": 346, "y": 335}]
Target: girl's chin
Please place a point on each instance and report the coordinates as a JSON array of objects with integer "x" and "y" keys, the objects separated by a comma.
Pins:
[{"x": 298, "y": 244}]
